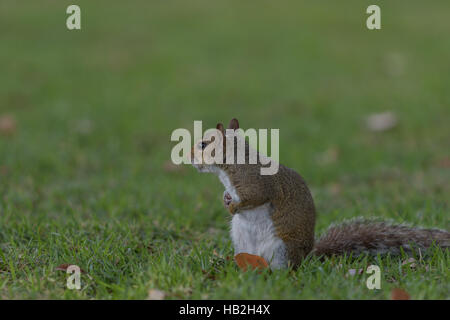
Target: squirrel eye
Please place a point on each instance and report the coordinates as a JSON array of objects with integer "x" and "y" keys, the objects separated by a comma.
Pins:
[{"x": 203, "y": 145}]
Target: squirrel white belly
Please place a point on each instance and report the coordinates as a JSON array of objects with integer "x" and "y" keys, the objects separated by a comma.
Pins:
[
  {"x": 252, "y": 231},
  {"x": 274, "y": 215}
]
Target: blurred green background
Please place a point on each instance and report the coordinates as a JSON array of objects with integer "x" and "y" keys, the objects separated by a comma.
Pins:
[{"x": 86, "y": 118}]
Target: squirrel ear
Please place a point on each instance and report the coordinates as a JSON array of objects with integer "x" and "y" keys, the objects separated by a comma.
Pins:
[
  {"x": 234, "y": 124},
  {"x": 220, "y": 128}
]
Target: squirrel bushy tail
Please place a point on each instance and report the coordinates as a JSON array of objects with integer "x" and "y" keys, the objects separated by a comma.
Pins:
[{"x": 371, "y": 237}]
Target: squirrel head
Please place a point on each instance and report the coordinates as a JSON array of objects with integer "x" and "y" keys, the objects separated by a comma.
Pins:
[{"x": 215, "y": 140}]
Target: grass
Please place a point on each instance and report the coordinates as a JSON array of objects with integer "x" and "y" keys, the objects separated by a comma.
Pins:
[{"x": 85, "y": 178}]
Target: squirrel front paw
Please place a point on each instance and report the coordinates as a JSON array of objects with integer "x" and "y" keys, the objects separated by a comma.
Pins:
[
  {"x": 229, "y": 204},
  {"x": 226, "y": 199}
]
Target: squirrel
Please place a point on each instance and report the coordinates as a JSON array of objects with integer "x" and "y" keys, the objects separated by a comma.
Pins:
[{"x": 273, "y": 216}]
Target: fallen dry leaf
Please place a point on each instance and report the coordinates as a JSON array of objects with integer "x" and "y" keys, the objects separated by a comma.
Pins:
[
  {"x": 334, "y": 188},
  {"x": 411, "y": 262},
  {"x": 329, "y": 156},
  {"x": 155, "y": 294},
  {"x": 3, "y": 170},
  {"x": 8, "y": 125},
  {"x": 381, "y": 121},
  {"x": 184, "y": 290},
  {"x": 84, "y": 126},
  {"x": 169, "y": 166},
  {"x": 209, "y": 275},
  {"x": 395, "y": 64},
  {"x": 64, "y": 266},
  {"x": 444, "y": 163},
  {"x": 213, "y": 231},
  {"x": 243, "y": 260},
  {"x": 217, "y": 254},
  {"x": 391, "y": 279},
  {"x": 352, "y": 272},
  {"x": 399, "y": 294}
]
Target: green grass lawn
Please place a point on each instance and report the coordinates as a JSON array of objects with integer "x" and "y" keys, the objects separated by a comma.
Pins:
[{"x": 85, "y": 175}]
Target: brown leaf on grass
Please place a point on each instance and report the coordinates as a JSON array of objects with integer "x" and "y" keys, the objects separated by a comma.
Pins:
[
  {"x": 411, "y": 262},
  {"x": 395, "y": 64},
  {"x": 155, "y": 294},
  {"x": 444, "y": 162},
  {"x": 352, "y": 272},
  {"x": 391, "y": 279},
  {"x": 64, "y": 266},
  {"x": 84, "y": 126},
  {"x": 185, "y": 290},
  {"x": 17, "y": 100},
  {"x": 334, "y": 188},
  {"x": 181, "y": 292},
  {"x": 399, "y": 294},
  {"x": 217, "y": 254},
  {"x": 4, "y": 170},
  {"x": 169, "y": 166},
  {"x": 213, "y": 232},
  {"x": 150, "y": 248},
  {"x": 8, "y": 125},
  {"x": 245, "y": 260},
  {"x": 209, "y": 275},
  {"x": 329, "y": 156},
  {"x": 379, "y": 122}
]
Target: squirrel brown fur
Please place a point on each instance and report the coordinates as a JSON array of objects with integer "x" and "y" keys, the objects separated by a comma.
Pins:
[{"x": 290, "y": 208}]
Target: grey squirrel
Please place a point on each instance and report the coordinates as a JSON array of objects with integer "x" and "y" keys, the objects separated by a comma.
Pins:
[{"x": 273, "y": 216}]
